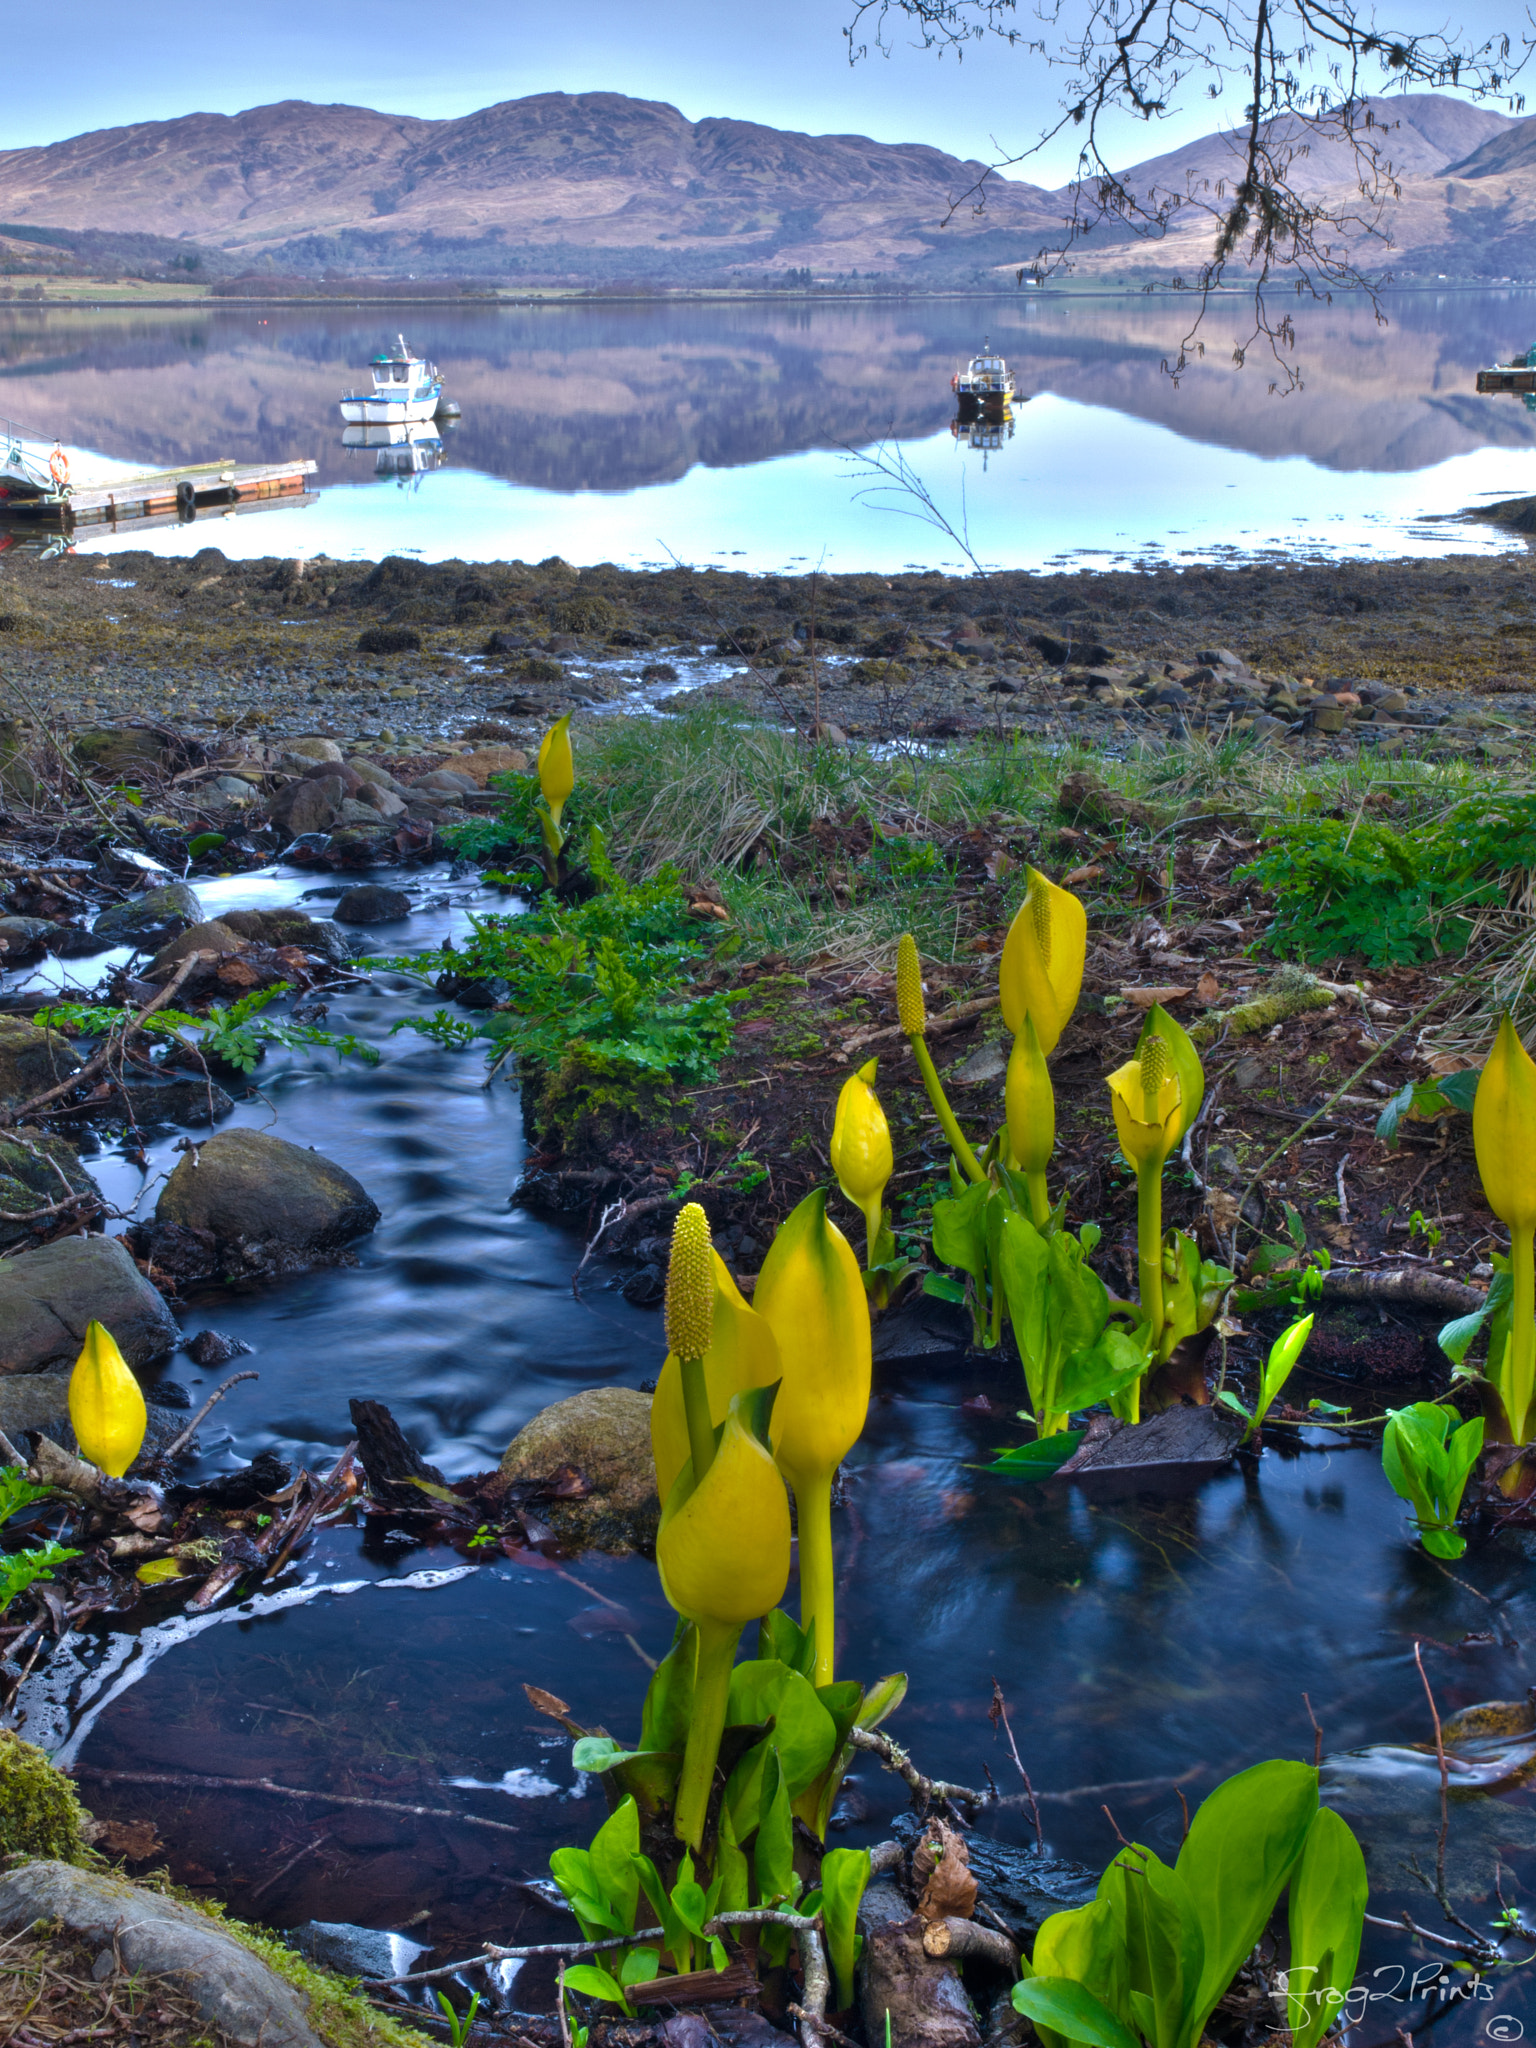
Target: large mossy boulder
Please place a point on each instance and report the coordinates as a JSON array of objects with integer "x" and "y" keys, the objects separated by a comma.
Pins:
[
  {"x": 603, "y": 1436},
  {"x": 121, "y": 753},
  {"x": 37, "y": 1170},
  {"x": 31, "y": 1061},
  {"x": 320, "y": 935},
  {"x": 148, "y": 921},
  {"x": 271, "y": 1200},
  {"x": 48, "y": 1297}
]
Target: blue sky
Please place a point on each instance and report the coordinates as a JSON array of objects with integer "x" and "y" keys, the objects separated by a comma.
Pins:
[{"x": 786, "y": 66}]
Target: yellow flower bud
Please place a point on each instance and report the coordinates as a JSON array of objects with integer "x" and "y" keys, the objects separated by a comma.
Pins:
[
  {"x": 106, "y": 1406},
  {"x": 1031, "y": 1103},
  {"x": 1504, "y": 1130},
  {"x": 1146, "y": 1098},
  {"x": 742, "y": 1354},
  {"x": 910, "y": 1007},
  {"x": 690, "y": 1307},
  {"x": 557, "y": 766},
  {"x": 1041, "y": 971},
  {"x": 861, "y": 1146},
  {"x": 723, "y": 1546}
]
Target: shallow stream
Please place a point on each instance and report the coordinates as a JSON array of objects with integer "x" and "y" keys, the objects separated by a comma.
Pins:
[{"x": 1146, "y": 1646}]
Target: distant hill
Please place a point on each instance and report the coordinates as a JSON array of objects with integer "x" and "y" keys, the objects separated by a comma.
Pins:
[{"x": 596, "y": 188}]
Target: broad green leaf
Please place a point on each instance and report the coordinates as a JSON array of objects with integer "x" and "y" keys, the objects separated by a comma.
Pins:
[
  {"x": 1228, "y": 1399},
  {"x": 592, "y": 1982},
  {"x": 1163, "y": 1943},
  {"x": 1283, "y": 1354},
  {"x": 613, "y": 1852},
  {"x": 1239, "y": 1853},
  {"x": 1037, "y": 1460},
  {"x": 204, "y": 842},
  {"x": 1088, "y": 1945},
  {"x": 773, "y": 1857},
  {"x": 844, "y": 1874},
  {"x": 1115, "y": 1359},
  {"x": 1071, "y": 2012},
  {"x": 1460, "y": 1090},
  {"x": 780, "y": 1635},
  {"x": 960, "y": 1232},
  {"x": 882, "y": 1699},
  {"x": 804, "y": 1734},
  {"x": 639, "y": 1966},
  {"x": 1455, "y": 1338},
  {"x": 1328, "y": 1895},
  {"x": 668, "y": 1709},
  {"x": 940, "y": 1287}
]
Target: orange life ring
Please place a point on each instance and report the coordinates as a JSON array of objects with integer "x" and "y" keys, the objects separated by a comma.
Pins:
[{"x": 58, "y": 466}]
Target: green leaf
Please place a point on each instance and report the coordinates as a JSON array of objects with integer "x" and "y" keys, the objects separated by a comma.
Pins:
[
  {"x": 780, "y": 1635},
  {"x": 205, "y": 842},
  {"x": 613, "y": 1851},
  {"x": 668, "y": 1709},
  {"x": 1071, "y": 2012},
  {"x": 639, "y": 1966},
  {"x": 844, "y": 1874},
  {"x": 939, "y": 1287},
  {"x": 1460, "y": 1090},
  {"x": 592, "y": 1982},
  {"x": 1037, "y": 1460},
  {"x": 1229, "y": 1400},
  {"x": 1327, "y": 1918},
  {"x": 1241, "y": 1848},
  {"x": 803, "y": 1735}
]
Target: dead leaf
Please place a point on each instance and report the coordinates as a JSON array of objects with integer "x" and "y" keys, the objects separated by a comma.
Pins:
[
  {"x": 1208, "y": 988},
  {"x": 1340, "y": 1235},
  {"x": 1223, "y": 1209},
  {"x": 999, "y": 862},
  {"x": 544, "y": 1702},
  {"x": 942, "y": 1858},
  {"x": 1091, "y": 873},
  {"x": 1144, "y": 998}
]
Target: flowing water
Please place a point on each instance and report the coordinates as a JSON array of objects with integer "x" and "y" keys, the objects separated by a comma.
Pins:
[
  {"x": 762, "y": 436},
  {"x": 1146, "y": 1646}
]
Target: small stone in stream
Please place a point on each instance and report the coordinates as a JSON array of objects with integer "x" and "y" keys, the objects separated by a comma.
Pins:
[
  {"x": 320, "y": 935},
  {"x": 354, "y": 1951},
  {"x": 645, "y": 1289},
  {"x": 168, "y": 1394},
  {"x": 49, "y": 1296},
  {"x": 372, "y": 903},
  {"x": 171, "y": 1099},
  {"x": 265, "y": 1475},
  {"x": 389, "y": 640},
  {"x": 38, "y": 1170},
  {"x": 25, "y": 937},
  {"x": 31, "y": 1061},
  {"x": 211, "y": 1347},
  {"x": 605, "y": 1436},
  {"x": 273, "y": 1203},
  {"x": 213, "y": 936},
  {"x": 147, "y": 921},
  {"x": 239, "y": 1995},
  {"x": 308, "y": 805}
]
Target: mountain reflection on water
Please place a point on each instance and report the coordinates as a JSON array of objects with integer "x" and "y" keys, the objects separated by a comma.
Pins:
[{"x": 734, "y": 416}]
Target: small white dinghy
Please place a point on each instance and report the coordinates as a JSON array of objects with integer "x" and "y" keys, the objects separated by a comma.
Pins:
[{"x": 405, "y": 388}]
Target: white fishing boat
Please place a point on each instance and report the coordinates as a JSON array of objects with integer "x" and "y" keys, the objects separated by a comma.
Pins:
[
  {"x": 985, "y": 383},
  {"x": 402, "y": 448},
  {"x": 405, "y": 388}
]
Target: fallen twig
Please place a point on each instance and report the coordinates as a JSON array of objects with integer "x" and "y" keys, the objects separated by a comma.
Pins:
[
  {"x": 98, "y": 1062},
  {"x": 949, "y": 1020},
  {"x": 179, "y": 1444},
  {"x": 961, "y": 1938},
  {"x": 932, "y": 1791},
  {"x": 191, "y": 1781}
]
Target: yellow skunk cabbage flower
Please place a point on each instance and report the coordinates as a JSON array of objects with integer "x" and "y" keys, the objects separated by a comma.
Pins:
[
  {"x": 912, "y": 1013},
  {"x": 690, "y": 1317},
  {"x": 861, "y": 1153},
  {"x": 723, "y": 1554},
  {"x": 1504, "y": 1138},
  {"x": 1031, "y": 1106},
  {"x": 106, "y": 1405},
  {"x": 557, "y": 767},
  {"x": 811, "y": 1293},
  {"x": 1041, "y": 971},
  {"x": 741, "y": 1354},
  {"x": 1148, "y": 1101}
]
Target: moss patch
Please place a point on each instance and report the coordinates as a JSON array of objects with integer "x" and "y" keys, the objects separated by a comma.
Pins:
[{"x": 39, "y": 1813}]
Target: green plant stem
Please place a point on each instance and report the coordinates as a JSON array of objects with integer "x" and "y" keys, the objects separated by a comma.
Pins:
[
  {"x": 1521, "y": 1375},
  {"x": 813, "y": 1509},
  {"x": 554, "y": 845},
  {"x": 701, "y": 1431},
  {"x": 711, "y": 1684},
  {"x": 1149, "y": 1245},
  {"x": 941, "y": 1108},
  {"x": 1039, "y": 1198}
]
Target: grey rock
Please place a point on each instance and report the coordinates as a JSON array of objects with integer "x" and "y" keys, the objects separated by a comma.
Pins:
[
  {"x": 212, "y": 936},
  {"x": 120, "y": 753},
  {"x": 172, "y": 1099},
  {"x": 36, "y": 1403},
  {"x": 49, "y": 1296},
  {"x": 371, "y": 772},
  {"x": 384, "y": 801},
  {"x": 285, "y": 927},
  {"x": 1168, "y": 1452},
  {"x": 307, "y": 805},
  {"x": 986, "y": 1063},
  {"x": 236, "y": 1991},
  {"x": 25, "y": 937},
  {"x": 605, "y": 1435},
  {"x": 36, "y": 1170},
  {"x": 247, "y": 1189},
  {"x": 448, "y": 780},
  {"x": 148, "y": 921},
  {"x": 372, "y": 903},
  {"x": 925, "y": 1329},
  {"x": 31, "y": 1061},
  {"x": 354, "y": 1951},
  {"x": 357, "y": 815},
  {"x": 312, "y": 748}
]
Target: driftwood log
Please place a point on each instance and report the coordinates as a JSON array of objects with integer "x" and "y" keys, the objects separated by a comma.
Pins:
[
  {"x": 390, "y": 1463},
  {"x": 967, "y": 1939}
]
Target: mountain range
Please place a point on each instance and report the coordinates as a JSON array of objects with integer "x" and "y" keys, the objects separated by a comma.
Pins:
[{"x": 595, "y": 188}]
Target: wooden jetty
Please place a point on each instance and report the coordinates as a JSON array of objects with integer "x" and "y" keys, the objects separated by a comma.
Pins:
[
  {"x": 1514, "y": 378},
  {"x": 163, "y": 495}
]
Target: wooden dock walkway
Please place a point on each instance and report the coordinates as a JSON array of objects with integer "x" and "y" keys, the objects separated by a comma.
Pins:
[{"x": 163, "y": 495}]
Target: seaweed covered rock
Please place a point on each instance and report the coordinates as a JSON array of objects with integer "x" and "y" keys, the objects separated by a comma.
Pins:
[
  {"x": 31, "y": 1061},
  {"x": 39, "y": 1813},
  {"x": 49, "y": 1296},
  {"x": 596, "y": 1446},
  {"x": 274, "y": 1202},
  {"x": 148, "y": 921},
  {"x": 37, "y": 1170}
]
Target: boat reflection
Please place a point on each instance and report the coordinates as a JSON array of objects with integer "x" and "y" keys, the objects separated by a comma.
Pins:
[
  {"x": 403, "y": 449},
  {"x": 985, "y": 432}
]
